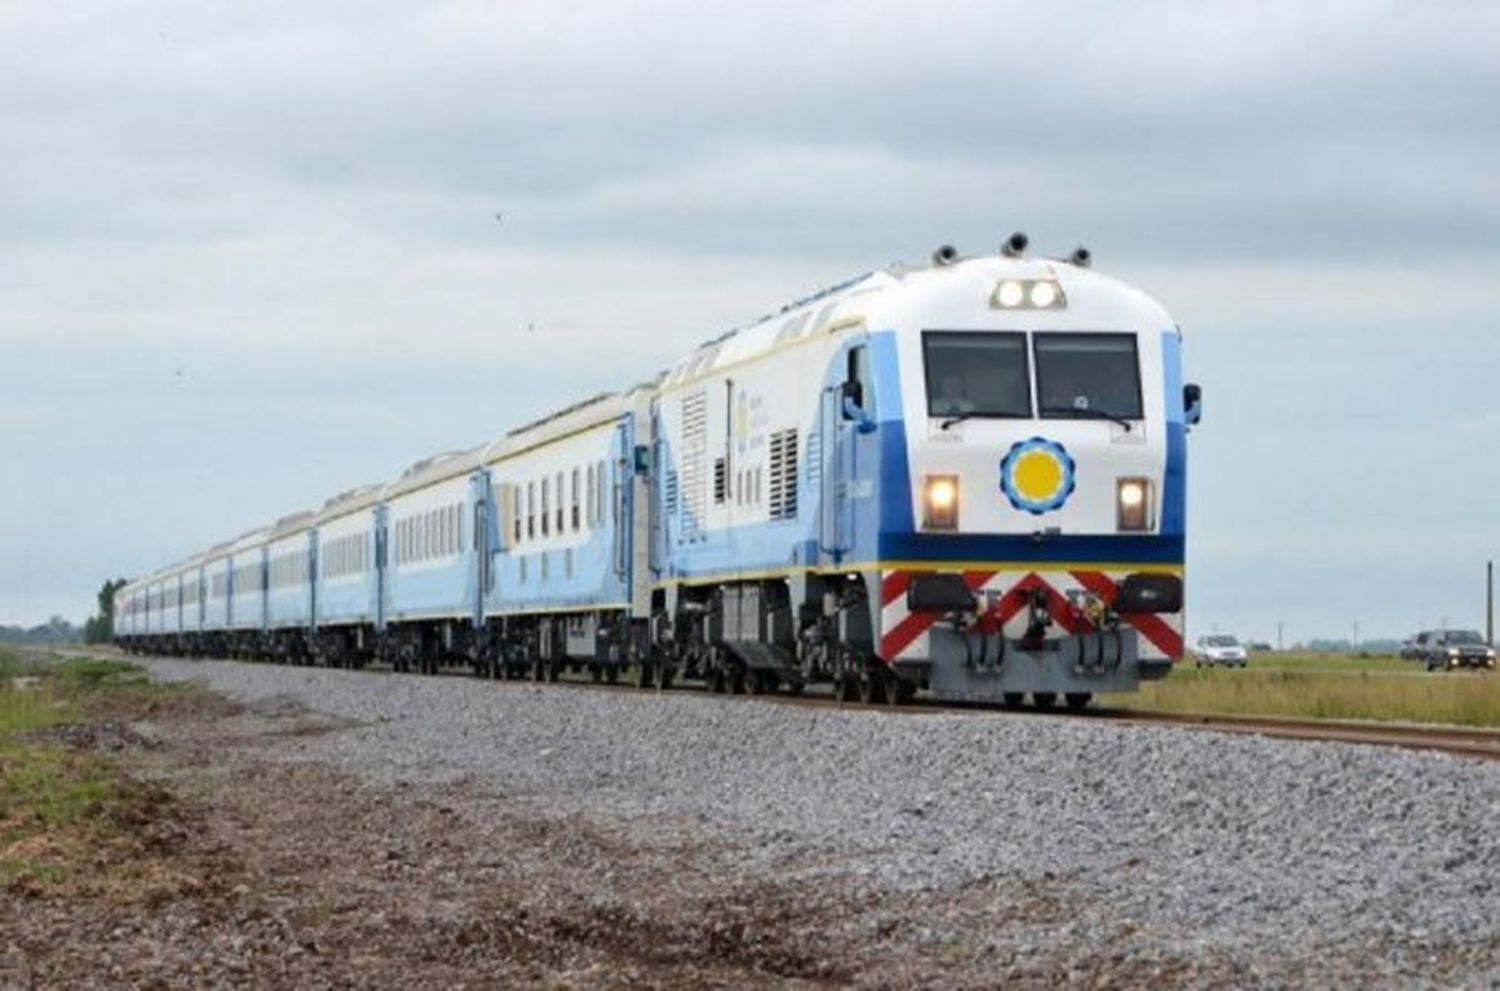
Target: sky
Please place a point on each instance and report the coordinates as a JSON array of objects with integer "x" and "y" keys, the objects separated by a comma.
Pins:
[{"x": 252, "y": 255}]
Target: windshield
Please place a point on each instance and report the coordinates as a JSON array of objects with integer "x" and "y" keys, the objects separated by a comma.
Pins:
[
  {"x": 1223, "y": 641},
  {"x": 1084, "y": 374},
  {"x": 972, "y": 374},
  {"x": 1464, "y": 636}
]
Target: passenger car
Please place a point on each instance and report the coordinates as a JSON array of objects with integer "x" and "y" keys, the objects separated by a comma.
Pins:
[
  {"x": 1221, "y": 649},
  {"x": 1447, "y": 649}
]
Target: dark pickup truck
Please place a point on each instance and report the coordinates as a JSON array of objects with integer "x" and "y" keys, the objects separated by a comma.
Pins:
[{"x": 1445, "y": 649}]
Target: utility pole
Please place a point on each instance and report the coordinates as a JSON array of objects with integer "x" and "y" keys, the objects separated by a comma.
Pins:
[
  {"x": 1356, "y": 635},
  {"x": 1489, "y": 603},
  {"x": 1280, "y": 641}
]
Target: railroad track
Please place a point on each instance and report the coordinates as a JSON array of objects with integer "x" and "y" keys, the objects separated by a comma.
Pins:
[
  {"x": 1483, "y": 744},
  {"x": 1480, "y": 743}
]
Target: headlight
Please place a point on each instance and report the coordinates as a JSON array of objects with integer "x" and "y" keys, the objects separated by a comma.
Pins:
[
  {"x": 940, "y": 502},
  {"x": 1133, "y": 501},
  {"x": 1028, "y": 294},
  {"x": 1452, "y": 651}
]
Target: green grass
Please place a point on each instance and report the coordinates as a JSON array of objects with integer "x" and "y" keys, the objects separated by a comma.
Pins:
[
  {"x": 1352, "y": 688},
  {"x": 1330, "y": 662},
  {"x": 97, "y": 673},
  {"x": 55, "y": 802},
  {"x": 32, "y": 703},
  {"x": 48, "y": 787}
]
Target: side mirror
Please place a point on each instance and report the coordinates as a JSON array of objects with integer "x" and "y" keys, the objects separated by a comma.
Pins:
[
  {"x": 852, "y": 406},
  {"x": 853, "y": 399},
  {"x": 1192, "y": 403}
]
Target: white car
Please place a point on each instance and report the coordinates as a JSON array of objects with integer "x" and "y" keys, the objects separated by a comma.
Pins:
[{"x": 1221, "y": 649}]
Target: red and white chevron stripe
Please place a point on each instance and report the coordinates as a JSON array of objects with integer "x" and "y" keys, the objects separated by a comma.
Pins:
[{"x": 1003, "y": 597}]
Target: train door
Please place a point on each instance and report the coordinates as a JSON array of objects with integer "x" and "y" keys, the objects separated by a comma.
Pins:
[
  {"x": 312, "y": 580},
  {"x": 381, "y": 590},
  {"x": 658, "y": 520},
  {"x": 624, "y": 476},
  {"x": 847, "y": 453},
  {"x": 483, "y": 575}
]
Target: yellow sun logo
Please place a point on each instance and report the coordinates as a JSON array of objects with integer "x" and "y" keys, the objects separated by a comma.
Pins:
[{"x": 1037, "y": 475}]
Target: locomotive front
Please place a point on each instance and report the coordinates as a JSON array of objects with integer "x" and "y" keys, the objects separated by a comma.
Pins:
[{"x": 1037, "y": 544}]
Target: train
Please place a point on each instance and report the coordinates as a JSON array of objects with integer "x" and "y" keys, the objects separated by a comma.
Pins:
[{"x": 965, "y": 478}]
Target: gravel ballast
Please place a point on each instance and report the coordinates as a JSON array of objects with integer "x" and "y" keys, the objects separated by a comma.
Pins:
[{"x": 1277, "y": 860}]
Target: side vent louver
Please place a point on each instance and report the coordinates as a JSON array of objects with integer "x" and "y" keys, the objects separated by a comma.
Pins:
[
  {"x": 783, "y": 494},
  {"x": 694, "y": 453}
]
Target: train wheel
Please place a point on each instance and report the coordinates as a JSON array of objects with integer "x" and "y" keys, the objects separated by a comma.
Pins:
[
  {"x": 872, "y": 687},
  {"x": 664, "y": 676},
  {"x": 1078, "y": 701},
  {"x": 612, "y": 673},
  {"x": 717, "y": 683},
  {"x": 645, "y": 674},
  {"x": 596, "y": 672},
  {"x": 899, "y": 691},
  {"x": 1044, "y": 700},
  {"x": 1012, "y": 700},
  {"x": 737, "y": 680},
  {"x": 846, "y": 687}
]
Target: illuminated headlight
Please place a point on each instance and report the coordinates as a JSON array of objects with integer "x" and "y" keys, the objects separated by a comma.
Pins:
[
  {"x": 1452, "y": 651},
  {"x": 940, "y": 502},
  {"x": 1133, "y": 502},
  {"x": 1010, "y": 294},
  {"x": 1028, "y": 294}
]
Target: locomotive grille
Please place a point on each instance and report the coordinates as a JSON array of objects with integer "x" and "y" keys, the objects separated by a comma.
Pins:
[
  {"x": 694, "y": 453},
  {"x": 783, "y": 501}
]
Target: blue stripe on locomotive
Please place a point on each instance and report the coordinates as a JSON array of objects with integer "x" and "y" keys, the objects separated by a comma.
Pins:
[{"x": 1174, "y": 482}]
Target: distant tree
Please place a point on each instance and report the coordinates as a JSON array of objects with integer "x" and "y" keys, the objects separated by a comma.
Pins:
[{"x": 100, "y": 627}]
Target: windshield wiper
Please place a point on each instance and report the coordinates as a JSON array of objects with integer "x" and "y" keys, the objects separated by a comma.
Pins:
[
  {"x": 1086, "y": 413},
  {"x": 955, "y": 418}
]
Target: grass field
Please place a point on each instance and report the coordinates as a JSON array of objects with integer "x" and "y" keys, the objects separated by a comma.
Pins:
[
  {"x": 1290, "y": 661},
  {"x": 58, "y": 803},
  {"x": 1319, "y": 686}
]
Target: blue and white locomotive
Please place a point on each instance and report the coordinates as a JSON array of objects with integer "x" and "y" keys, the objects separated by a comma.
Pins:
[{"x": 966, "y": 477}]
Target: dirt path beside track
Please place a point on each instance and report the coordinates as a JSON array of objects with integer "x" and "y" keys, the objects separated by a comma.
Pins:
[
  {"x": 254, "y": 867},
  {"x": 427, "y": 834}
]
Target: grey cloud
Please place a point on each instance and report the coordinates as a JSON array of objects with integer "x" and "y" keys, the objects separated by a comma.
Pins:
[{"x": 1235, "y": 134}]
